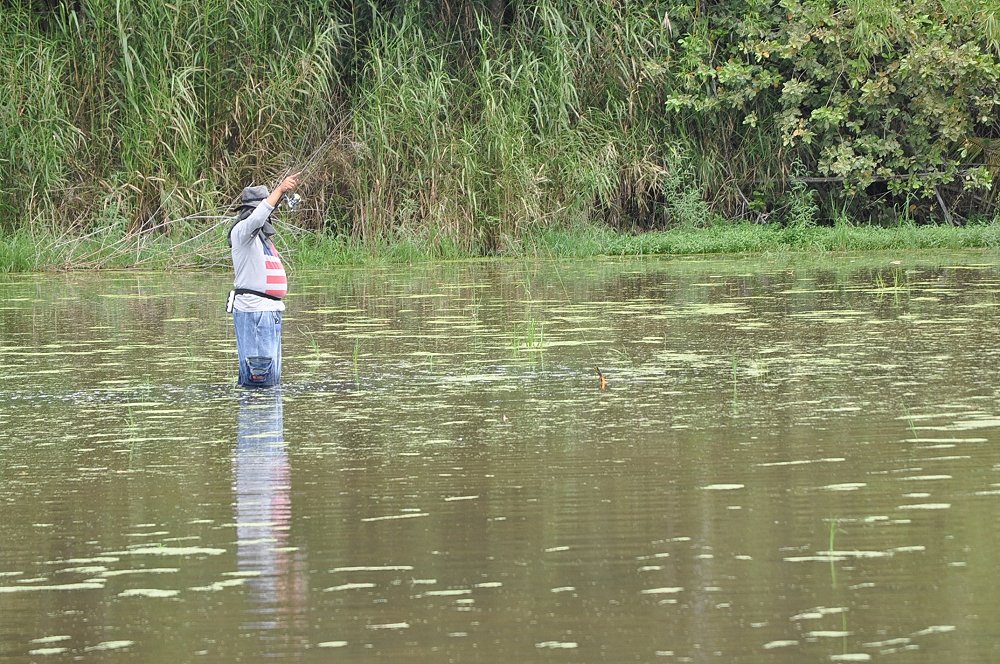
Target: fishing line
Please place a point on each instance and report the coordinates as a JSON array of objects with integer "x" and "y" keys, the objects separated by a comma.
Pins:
[
  {"x": 603, "y": 382},
  {"x": 128, "y": 237},
  {"x": 172, "y": 248}
]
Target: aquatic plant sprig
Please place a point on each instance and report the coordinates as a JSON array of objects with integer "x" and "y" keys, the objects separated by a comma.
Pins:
[
  {"x": 311, "y": 340},
  {"x": 356, "y": 361},
  {"x": 529, "y": 336}
]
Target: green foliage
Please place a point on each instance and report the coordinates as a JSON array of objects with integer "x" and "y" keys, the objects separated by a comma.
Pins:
[
  {"x": 19, "y": 253},
  {"x": 899, "y": 92},
  {"x": 468, "y": 128}
]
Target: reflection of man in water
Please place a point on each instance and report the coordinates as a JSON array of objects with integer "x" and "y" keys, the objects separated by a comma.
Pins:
[{"x": 263, "y": 518}]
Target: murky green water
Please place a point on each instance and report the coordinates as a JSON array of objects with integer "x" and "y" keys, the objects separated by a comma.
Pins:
[{"x": 791, "y": 463}]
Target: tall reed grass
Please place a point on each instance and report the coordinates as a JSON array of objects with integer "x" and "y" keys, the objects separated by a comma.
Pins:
[
  {"x": 141, "y": 114},
  {"x": 439, "y": 129},
  {"x": 144, "y": 116}
]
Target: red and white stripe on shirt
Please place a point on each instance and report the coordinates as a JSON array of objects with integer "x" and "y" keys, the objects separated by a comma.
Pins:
[{"x": 274, "y": 271}]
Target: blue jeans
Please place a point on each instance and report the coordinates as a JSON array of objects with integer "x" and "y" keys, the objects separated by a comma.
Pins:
[{"x": 258, "y": 343}]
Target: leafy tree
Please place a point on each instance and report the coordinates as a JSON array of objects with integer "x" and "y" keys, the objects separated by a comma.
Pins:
[{"x": 879, "y": 95}]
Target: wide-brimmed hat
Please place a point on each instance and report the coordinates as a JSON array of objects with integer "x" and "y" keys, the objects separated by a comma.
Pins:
[{"x": 252, "y": 196}]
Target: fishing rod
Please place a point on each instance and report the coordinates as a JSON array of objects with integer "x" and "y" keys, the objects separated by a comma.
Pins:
[
  {"x": 334, "y": 135},
  {"x": 124, "y": 243},
  {"x": 116, "y": 248}
]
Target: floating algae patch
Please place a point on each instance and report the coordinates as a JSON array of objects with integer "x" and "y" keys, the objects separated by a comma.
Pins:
[
  {"x": 390, "y": 626},
  {"x": 780, "y": 643},
  {"x": 83, "y": 585},
  {"x": 149, "y": 592},
  {"x": 219, "y": 585},
  {"x": 448, "y": 593},
  {"x": 857, "y": 553},
  {"x": 374, "y": 568},
  {"x": 944, "y": 441},
  {"x": 348, "y": 586},
  {"x": 819, "y": 558},
  {"x": 146, "y": 570},
  {"x": 832, "y": 315},
  {"x": 392, "y": 517},
  {"x": 935, "y": 629},
  {"x": 888, "y": 643},
  {"x": 818, "y": 612},
  {"x": 109, "y": 645},
  {"x": 981, "y": 423},
  {"x": 86, "y": 569},
  {"x": 170, "y": 551},
  {"x": 721, "y": 309},
  {"x": 52, "y": 639},
  {"x": 471, "y": 379},
  {"x": 801, "y": 462},
  {"x": 827, "y": 634}
]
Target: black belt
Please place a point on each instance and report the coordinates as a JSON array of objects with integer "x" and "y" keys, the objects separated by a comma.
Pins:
[{"x": 249, "y": 291}]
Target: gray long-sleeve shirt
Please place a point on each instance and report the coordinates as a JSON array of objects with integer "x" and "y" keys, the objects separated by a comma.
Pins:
[{"x": 256, "y": 264}]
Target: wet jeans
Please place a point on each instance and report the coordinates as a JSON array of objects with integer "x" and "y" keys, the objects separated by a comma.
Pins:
[{"x": 258, "y": 343}]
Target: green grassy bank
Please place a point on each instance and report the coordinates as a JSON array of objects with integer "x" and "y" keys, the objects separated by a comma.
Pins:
[
  {"x": 308, "y": 250},
  {"x": 490, "y": 127}
]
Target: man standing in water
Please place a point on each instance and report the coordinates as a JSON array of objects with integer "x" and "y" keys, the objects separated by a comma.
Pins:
[{"x": 259, "y": 285}]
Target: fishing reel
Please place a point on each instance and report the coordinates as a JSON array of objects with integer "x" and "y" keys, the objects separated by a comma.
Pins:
[{"x": 291, "y": 200}]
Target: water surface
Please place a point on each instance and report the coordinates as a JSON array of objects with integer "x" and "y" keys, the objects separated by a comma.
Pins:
[{"x": 792, "y": 461}]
